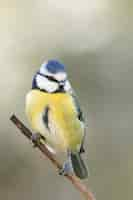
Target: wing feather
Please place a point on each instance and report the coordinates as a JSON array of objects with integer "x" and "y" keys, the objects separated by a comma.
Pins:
[{"x": 80, "y": 117}]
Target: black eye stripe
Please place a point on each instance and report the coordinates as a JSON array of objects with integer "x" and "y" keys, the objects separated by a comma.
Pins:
[{"x": 48, "y": 77}]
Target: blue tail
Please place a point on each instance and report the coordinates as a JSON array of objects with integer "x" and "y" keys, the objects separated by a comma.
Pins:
[{"x": 78, "y": 165}]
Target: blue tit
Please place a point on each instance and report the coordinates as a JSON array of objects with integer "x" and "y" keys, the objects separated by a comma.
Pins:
[{"x": 54, "y": 112}]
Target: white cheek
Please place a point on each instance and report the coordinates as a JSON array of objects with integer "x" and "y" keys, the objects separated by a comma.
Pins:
[{"x": 45, "y": 84}]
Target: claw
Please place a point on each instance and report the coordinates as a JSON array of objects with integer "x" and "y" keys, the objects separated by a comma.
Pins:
[
  {"x": 36, "y": 137},
  {"x": 67, "y": 169}
]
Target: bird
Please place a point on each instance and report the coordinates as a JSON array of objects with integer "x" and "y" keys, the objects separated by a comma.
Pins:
[{"x": 54, "y": 113}]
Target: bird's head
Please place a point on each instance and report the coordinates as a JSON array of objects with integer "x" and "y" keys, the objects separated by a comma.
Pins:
[{"x": 51, "y": 77}]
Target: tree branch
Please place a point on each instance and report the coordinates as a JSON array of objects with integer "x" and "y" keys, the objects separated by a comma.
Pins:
[{"x": 73, "y": 179}]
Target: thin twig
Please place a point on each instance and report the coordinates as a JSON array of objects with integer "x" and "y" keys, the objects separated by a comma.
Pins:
[{"x": 73, "y": 179}]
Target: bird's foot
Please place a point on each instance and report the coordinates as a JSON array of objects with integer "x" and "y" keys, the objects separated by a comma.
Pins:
[
  {"x": 67, "y": 169},
  {"x": 36, "y": 138}
]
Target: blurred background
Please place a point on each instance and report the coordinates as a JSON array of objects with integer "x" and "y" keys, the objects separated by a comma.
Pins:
[{"x": 94, "y": 39}]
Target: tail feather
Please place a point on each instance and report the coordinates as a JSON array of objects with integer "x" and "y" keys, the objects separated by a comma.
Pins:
[{"x": 79, "y": 167}]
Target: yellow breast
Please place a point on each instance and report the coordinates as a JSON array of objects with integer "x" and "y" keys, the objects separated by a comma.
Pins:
[{"x": 65, "y": 128}]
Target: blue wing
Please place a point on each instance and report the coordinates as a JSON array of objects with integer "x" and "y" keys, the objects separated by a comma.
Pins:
[{"x": 80, "y": 117}]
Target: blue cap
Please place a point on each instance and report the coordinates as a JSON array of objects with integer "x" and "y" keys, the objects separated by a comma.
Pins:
[{"x": 54, "y": 66}]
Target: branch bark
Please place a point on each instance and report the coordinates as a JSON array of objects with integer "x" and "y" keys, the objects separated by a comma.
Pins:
[{"x": 87, "y": 194}]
